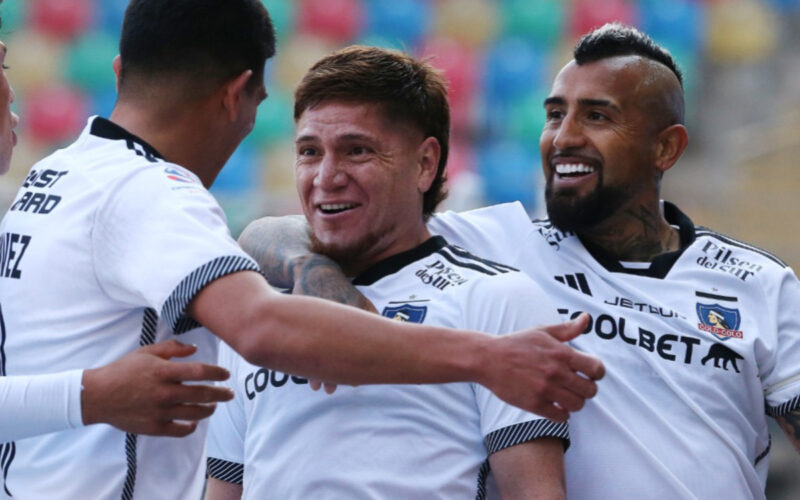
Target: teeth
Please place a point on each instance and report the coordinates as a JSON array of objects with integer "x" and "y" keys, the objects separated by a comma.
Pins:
[
  {"x": 574, "y": 168},
  {"x": 336, "y": 207}
]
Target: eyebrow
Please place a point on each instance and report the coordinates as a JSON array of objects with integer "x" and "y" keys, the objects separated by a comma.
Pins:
[
  {"x": 345, "y": 137},
  {"x": 603, "y": 103}
]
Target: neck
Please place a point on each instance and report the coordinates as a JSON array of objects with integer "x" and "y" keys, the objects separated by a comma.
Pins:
[
  {"x": 174, "y": 133},
  {"x": 381, "y": 250},
  {"x": 636, "y": 233}
]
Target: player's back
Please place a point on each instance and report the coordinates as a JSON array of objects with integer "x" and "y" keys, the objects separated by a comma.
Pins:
[{"x": 63, "y": 308}]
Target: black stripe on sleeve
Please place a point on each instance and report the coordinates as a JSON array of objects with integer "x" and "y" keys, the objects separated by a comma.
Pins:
[
  {"x": 524, "y": 432},
  {"x": 494, "y": 265},
  {"x": 175, "y": 305},
  {"x": 230, "y": 472},
  {"x": 130, "y": 458},
  {"x": 785, "y": 408},
  {"x": 468, "y": 265}
]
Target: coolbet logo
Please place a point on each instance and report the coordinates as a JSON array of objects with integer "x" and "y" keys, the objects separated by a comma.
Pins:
[
  {"x": 668, "y": 346},
  {"x": 177, "y": 175},
  {"x": 722, "y": 322},
  {"x": 406, "y": 313}
]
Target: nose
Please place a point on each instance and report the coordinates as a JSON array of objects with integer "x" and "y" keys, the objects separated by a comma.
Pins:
[
  {"x": 330, "y": 175},
  {"x": 569, "y": 134}
]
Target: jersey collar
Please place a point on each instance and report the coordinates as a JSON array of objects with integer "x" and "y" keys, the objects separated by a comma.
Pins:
[
  {"x": 396, "y": 262},
  {"x": 110, "y": 130},
  {"x": 661, "y": 265}
]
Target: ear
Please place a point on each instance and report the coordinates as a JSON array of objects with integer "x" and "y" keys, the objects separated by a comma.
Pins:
[
  {"x": 428, "y": 155},
  {"x": 116, "y": 65},
  {"x": 670, "y": 144},
  {"x": 232, "y": 93}
]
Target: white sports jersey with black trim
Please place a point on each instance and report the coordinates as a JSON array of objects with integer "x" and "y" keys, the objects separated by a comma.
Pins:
[
  {"x": 386, "y": 441},
  {"x": 102, "y": 249},
  {"x": 696, "y": 345}
]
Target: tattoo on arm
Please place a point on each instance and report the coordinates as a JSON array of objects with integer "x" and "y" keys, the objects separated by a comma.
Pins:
[
  {"x": 790, "y": 424},
  {"x": 319, "y": 276},
  {"x": 280, "y": 246},
  {"x": 275, "y": 244}
]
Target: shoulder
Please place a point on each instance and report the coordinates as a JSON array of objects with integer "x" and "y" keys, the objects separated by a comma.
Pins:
[
  {"x": 504, "y": 212},
  {"x": 493, "y": 284},
  {"x": 716, "y": 244}
]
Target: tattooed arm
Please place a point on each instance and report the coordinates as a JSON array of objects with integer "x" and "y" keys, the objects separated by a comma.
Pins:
[
  {"x": 280, "y": 245},
  {"x": 790, "y": 423}
]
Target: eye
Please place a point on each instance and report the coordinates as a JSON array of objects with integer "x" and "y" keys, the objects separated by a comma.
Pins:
[
  {"x": 554, "y": 114},
  {"x": 306, "y": 151},
  {"x": 360, "y": 150},
  {"x": 596, "y": 116}
]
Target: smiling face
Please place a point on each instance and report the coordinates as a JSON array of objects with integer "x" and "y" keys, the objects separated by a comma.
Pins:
[
  {"x": 8, "y": 119},
  {"x": 598, "y": 144},
  {"x": 361, "y": 180}
]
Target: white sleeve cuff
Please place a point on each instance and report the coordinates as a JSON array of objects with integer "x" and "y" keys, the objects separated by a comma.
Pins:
[{"x": 40, "y": 404}]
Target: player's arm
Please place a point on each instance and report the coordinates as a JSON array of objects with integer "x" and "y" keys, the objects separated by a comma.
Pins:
[
  {"x": 140, "y": 393},
  {"x": 781, "y": 383},
  {"x": 790, "y": 423},
  {"x": 327, "y": 341},
  {"x": 531, "y": 470},
  {"x": 217, "y": 489},
  {"x": 280, "y": 246}
]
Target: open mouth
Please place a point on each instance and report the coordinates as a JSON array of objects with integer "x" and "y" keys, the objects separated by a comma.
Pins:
[
  {"x": 572, "y": 170},
  {"x": 336, "y": 208}
]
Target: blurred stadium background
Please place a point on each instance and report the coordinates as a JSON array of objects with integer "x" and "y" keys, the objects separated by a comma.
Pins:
[{"x": 741, "y": 59}]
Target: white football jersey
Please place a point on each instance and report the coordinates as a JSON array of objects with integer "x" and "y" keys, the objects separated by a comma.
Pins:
[
  {"x": 103, "y": 248},
  {"x": 699, "y": 347},
  {"x": 386, "y": 441}
]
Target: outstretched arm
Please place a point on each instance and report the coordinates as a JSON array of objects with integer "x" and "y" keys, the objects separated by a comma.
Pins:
[
  {"x": 142, "y": 393},
  {"x": 326, "y": 341},
  {"x": 280, "y": 246}
]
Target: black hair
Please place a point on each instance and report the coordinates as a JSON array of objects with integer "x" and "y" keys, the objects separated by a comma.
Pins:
[
  {"x": 615, "y": 39},
  {"x": 204, "y": 41}
]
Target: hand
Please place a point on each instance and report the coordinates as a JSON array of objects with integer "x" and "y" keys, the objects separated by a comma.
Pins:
[
  {"x": 537, "y": 371},
  {"x": 317, "y": 385},
  {"x": 144, "y": 393}
]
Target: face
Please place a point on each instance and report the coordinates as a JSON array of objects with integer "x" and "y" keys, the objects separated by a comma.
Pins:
[
  {"x": 597, "y": 145},
  {"x": 361, "y": 180},
  {"x": 8, "y": 120}
]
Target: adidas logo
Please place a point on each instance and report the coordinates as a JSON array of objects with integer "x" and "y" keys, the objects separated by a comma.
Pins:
[{"x": 576, "y": 281}]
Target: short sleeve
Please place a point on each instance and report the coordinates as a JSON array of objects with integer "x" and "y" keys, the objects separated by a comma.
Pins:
[
  {"x": 227, "y": 429},
  {"x": 782, "y": 383},
  {"x": 507, "y": 304},
  {"x": 494, "y": 232},
  {"x": 157, "y": 241}
]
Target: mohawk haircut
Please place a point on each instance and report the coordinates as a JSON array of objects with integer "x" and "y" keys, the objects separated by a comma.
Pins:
[{"x": 615, "y": 39}]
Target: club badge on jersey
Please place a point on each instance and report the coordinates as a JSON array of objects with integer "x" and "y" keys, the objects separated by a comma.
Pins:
[
  {"x": 722, "y": 322},
  {"x": 406, "y": 313}
]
